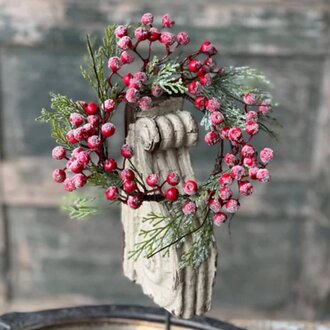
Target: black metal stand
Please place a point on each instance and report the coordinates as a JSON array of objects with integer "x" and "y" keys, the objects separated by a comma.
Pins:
[{"x": 168, "y": 320}]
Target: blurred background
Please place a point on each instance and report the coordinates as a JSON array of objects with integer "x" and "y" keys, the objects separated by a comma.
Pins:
[{"x": 275, "y": 264}]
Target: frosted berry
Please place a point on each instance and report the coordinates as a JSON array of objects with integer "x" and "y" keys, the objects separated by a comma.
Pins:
[
  {"x": 216, "y": 118},
  {"x": 266, "y": 155},
  {"x": 110, "y": 165},
  {"x": 135, "y": 83},
  {"x": 79, "y": 180},
  {"x": 126, "y": 58},
  {"x": 75, "y": 167},
  {"x": 172, "y": 179},
  {"x": 84, "y": 158},
  {"x": 152, "y": 180},
  {"x": 112, "y": 193},
  {"x": 145, "y": 103},
  {"x": 200, "y": 102},
  {"x": 213, "y": 104},
  {"x": 94, "y": 120},
  {"x": 142, "y": 76},
  {"x": 194, "y": 88},
  {"x": 263, "y": 175},
  {"x": 225, "y": 193},
  {"x": 250, "y": 162},
  {"x": 109, "y": 105},
  {"x": 208, "y": 48},
  {"x": 114, "y": 63},
  {"x": 189, "y": 208},
  {"x": 108, "y": 129},
  {"x": 69, "y": 185},
  {"x": 88, "y": 129},
  {"x": 141, "y": 33},
  {"x": 224, "y": 133},
  {"x": 248, "y": 151},
  {"x": 70, "y": 137},
  {"x": 59, "y": 175},
  {"x": 219, "y": 218},
  {"x": 182, "y": 38},
  {"x": 76, "y": 119},
  {"x": 250, "y": 98},
  {"x": 245, "y": 188},
  {"x": 167, "y": 22},
  {"x": 147, "y": 19},
  {"x": 76, "y": 151},
  {"x": 235, "y": 135},
  {"x": 225, "y": 179},
  {"x": 156, "y": 90},
  {"x": 253, "y": 173},
  {"x": 251, "y": 116},
  {"x": 127, "y": 174},
  {"x": 209, "y": 64},
  {"x": 134, "y": 202},
  {"x": 230, "y": 159},
  {"x": 93, "y": 142},
  {"x": 172, "y": 194},
  {"x": 237, "y": 172},
  {"x": 167, "y": 38},
  {"x": 215, "y": 205},
  {"x": 251, "y": 127},
  {"x": 232, "y": 205},
  {"x": 264, "y": 107},
  {"x": 80, "y": 134},
  {"x": 58, "y": 153},
  {"x": 129, "y": 186},
  {"x": 132, "y": 95},
  {"x": 124, "y": 43},
  {"x": 211, "y": 138},
  {"x": 205, "y": 79},
  {"x": 154, "y": 34},
  {"x": 126, "y": 151},
  {"x": 121, "y": 31},
  {"x": 194, "y": 65},
  {"x": 190, "y": 187},
  {"x": 127, "y": 79},
  {"x": 91, "y": 108}
]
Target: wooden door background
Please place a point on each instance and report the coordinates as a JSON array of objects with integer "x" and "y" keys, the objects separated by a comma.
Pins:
[{"x": 277, "y": 261}]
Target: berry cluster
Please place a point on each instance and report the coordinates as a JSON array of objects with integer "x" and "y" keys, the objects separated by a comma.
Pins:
[{"x": 196, "y": 74}]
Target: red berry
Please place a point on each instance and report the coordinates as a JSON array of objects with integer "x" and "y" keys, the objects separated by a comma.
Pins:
[
  {"x": 167, "y": 22},
  {"x": 75, "y": 167},
  {"x": 224, "y": 133},
  {"x": 245, "y": 188},
  {"x": 263, "y": 175},
  {"x": 190, "y": 187},
  {"x": 94, "y": 120},
  {"x": 237, "y": 172},
  {"x": 225, "y": 193},
  {"x": 225, "y": 179},
  {"x": 69, "y": 185},
  {"x": 219, "y": 218},
  {"x": 134, "y": 202},
  {"x": 91, "y": 108},
  {"x": 84, "y": 158},
  {"x": 235, "y": 135},
  {"x": 129, "y": 186},
  {"x": 154, "y": 34},
  {"x": 114, "y": 63},
  {"x": 152, "y": 180},
  {"x": 58, "y": 153},
  {"x": 59, "y": 175},
  {"x": 266, "y": 155},
  {"x": 248, "y": 151},
  {"x": 216, "y": 118},
  {"x": 112, "y": 193},
  {"x": 79, "y": 180},
  {"x": 127, "y": 174},
  {"x": 253, "y": 172},
  {"x": 108, "y": 129},
  {"x": 93, "y": 142},
  {"x": 211, "y": 138},
  {"x": 141, "y": 33},
  {"x": 127, "y": 79},
  {"x": 194, "y": 87},
  {"x": 172, "y": 194},
  {"x": 251, "y": 127},
  {"x": 208, "y": 48},
  {"x": 194, "y": 65},
  {"x": 230, "y": 159},
  {"x": 189, "y": 208},
  {"x": 80, "y": 134},
  {"x": 205, "y": 79},
  {"x": 76, "y": 119},
  {"x": 200, "y": 102},
  {"x": 215, "y": 205},
  {"x": 172, "y": 179},
  {"x": 70, "y": 137},
  {"x": 127, "y": 151},
  {"x": 232, "y": 206},
  {"x": 109, "y": 105},
  {"x": 110, "y": 165}
]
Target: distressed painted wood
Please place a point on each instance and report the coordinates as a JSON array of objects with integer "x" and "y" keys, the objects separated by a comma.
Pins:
[{"x": 161, "y": 139}]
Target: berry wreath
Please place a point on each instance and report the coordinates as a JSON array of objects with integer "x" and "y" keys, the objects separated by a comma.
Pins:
[{"x": 234, "y": 113}]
